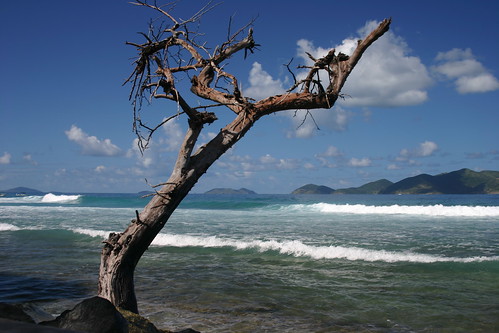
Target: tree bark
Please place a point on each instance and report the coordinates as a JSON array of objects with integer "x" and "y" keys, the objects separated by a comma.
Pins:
[{"x": 122, "y": 251}]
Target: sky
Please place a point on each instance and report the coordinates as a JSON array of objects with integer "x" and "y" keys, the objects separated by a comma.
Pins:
[{"x": 423, "y": 99}]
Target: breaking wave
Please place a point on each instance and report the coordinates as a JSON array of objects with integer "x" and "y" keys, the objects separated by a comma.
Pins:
[
  {"x": 298, "y": 249},
  {"x": 92, "y": 233},
  {"x": 433, "y": 210},
  {"x": 293, "y": 248},
  {"x": 8, "y": 227},
  {"x": 52, "y": 198},
  {"x": 47, "y": 198}
]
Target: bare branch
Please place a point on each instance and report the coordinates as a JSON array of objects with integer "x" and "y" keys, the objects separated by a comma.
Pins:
[
  {"x": 168, "y": 55},
  {"x": 308, "y": 113}
]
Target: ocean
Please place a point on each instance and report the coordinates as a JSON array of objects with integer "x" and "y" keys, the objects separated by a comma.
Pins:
[{"x": 270, "y": 263}]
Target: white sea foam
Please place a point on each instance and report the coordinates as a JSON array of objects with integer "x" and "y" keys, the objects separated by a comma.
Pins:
[
  {"x": 93, "y": 233},
  {"x": 52, "y": 198},
  {"x": 21, "y": 199},
  {"x": 299, "y": 249},
  {"x": 293, "y": 248},
  {"x": 8, "y": 227},
  {"x": 433, "y": 210}
]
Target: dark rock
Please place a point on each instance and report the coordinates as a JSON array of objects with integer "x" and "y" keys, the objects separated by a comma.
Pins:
[
  {"x": 14, "y": 312},
  {"x": 137, "y": 323},
  {"x": 36, "y": 312},
  {"x": 95, "y": 315},
  {"x": 12, "y": 326},
  {"x": 188, "y": 330}
]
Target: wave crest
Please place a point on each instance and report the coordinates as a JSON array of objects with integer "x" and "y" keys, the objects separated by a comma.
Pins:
[
  {"x": 52, "y": 198},
  {"x": 92, "y": 233},
  {"x": 8, "y": 227},
  {"x": 433, "y": 210},
  {"x": 298, "y": 249}
]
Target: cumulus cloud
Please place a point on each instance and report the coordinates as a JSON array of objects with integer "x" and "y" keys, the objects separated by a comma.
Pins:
[
  {"x": 91, "y": 145},
  {"x": 29, "y": 159},
  {"x": 360, "y": 162},
  {"x": 393, "y": 167},
  {"x": 469, "y": 75},
  {"x": 145, "y": 158},
  {"x": 247, "y": 164},
  {"x": 5, "y": 158},
  {"x": 262, "y": 84},
  {"x": 100, "y": 169},
  {"x": 331, "y": 151},
  {"x": 174, "y": 135},
  {"x": 306, "y": 122},
  {"x": 385, "y": 76},
  {"x": 424, "y": 149},
  {"x": 161, "y": 150}
]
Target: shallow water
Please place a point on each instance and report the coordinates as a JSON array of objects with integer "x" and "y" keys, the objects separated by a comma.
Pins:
[{"x": 324, "y": 263}]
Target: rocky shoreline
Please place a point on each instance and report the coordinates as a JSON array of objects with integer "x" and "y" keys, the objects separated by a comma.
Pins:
[{"x": 94, "y": 315}]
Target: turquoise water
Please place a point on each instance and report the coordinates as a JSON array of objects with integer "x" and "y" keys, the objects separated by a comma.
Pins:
[{"x": 266, "y": 263}]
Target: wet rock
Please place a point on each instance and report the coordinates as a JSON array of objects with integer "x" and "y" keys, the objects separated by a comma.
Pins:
[
  {"x": 96, "y": 315},
  {"x": 14, "y": 312}
]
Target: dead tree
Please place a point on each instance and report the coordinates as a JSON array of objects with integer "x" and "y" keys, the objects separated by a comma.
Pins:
[{"x": 166, "y": 54}]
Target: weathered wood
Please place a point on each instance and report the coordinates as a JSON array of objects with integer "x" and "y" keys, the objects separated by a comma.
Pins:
[{"x": 122, "y": 251}]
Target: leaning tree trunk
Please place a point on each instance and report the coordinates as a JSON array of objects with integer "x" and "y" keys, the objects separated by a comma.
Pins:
[
  {"x": 154, "y": 73},
  {"x": 122, "y": 251}
]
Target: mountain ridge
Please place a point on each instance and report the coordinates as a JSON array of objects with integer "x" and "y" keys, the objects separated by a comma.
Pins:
[
  {"x": 23, "y": 190},
  {"x": 463, "y": 181},
  {"x": 229, "y": 191}
]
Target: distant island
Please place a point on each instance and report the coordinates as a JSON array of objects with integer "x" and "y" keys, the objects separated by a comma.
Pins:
[
  {"x": 229, "y": 191},
  {"x": 464, "y": 181},
  {"x": 23, "y": 190}
]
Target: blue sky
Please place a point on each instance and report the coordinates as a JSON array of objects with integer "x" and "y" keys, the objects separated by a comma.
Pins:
[{"x": 424, "y": 98}]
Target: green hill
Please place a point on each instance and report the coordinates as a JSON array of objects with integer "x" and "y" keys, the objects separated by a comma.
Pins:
[
  {"x": 23, "y": 190},
  {"x": 464, "y": 181},
  {"x": 313, "y": 189},
  {"x": 230, "y": 191},
  {"x": 369, "y": 188}
]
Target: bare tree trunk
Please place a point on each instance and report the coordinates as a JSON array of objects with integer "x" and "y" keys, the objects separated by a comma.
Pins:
[
  {"x": 160, "y": 60},
  {"x": 122, "y": 251}
]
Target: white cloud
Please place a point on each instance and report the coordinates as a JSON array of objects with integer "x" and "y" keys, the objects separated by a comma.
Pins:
[
  {"x": 146, "y": 158},
  {"x": 477, "y": 84},
  {"x": 360, "y": 162},
  {"x": 29, "y": 159},
  {"x": 385, "y": 76},
  {"x": 331, "y": 151},
  {"x": 262, "y": 84},
  {"x": 335, "y": 119},
  {"x": 392, "y": 167},
  {"x": 5, "y": 158},
  {"x": 309, "y": 166},
  {"x": 246, "y": 163},
  {"x": 174, "y": 135},
  {"x": 160, "y": 155},
  {"x": 91, "y": 145},
  {"x": 267, "y": 159},
  {"x": 424, "y": 149},
  {"x": 100, "y": 169},
  {"x": 469, "y": 74}
]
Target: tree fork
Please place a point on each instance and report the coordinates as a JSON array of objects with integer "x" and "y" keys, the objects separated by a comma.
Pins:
[{"x": 122, "y": 251}]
